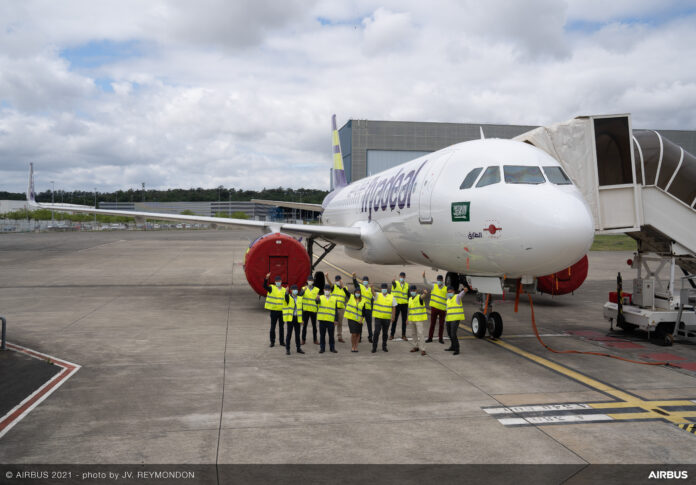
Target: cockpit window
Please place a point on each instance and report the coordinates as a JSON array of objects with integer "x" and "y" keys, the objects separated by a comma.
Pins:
[
  {"x": 523, "y": 174},
  {"x": 557, "y": 176},
  {"x": 490, "y": 176},
  {"x": 471, "y": 178}
]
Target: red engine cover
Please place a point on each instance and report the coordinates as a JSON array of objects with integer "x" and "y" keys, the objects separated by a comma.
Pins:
[
  {"x": 565, "y": 281},
  {"x": 278, "y": 254}
]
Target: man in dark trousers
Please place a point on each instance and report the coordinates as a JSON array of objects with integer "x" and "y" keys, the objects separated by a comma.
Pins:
[
  {"x": 366, "y": 293},
  {"x": 383, "y": 308},
  {"x": 399, "y": 288},
  {"x": 326, "y": 314},
  {"x": 292, "y": 317},
  {"x": 275, "y": 298}
]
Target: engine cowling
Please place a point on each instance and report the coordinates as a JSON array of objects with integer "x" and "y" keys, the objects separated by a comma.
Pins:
[
  {"x": 565, "y": 281},
  {"x": 279, "y": 254}
]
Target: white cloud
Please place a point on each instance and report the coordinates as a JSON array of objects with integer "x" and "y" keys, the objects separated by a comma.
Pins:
[{"x": 241, "y": 93}]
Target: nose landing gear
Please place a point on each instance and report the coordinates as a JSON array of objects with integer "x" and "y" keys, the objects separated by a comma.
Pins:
[{"x": 486, "y": 319}]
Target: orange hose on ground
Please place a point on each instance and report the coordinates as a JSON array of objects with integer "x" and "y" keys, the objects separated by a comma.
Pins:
[{"x": 536, "y": 332}]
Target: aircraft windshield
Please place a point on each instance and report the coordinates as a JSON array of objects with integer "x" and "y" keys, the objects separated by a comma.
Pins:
[
  {"x": 490, "y": 176},
  {"x": 523, "y": 174},
  {"x": 557, "y": 176},
  {"x": 471, "y": 178}
]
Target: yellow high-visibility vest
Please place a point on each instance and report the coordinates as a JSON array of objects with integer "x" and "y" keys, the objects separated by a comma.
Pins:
[
  {"x": 327, "y": 309},
  {"x": 366, "y": 293},
  {"x": 400, "y": 292},
  {"x": 382, "y": 307},
  {"x": 290, "y": 307},
  {"x": 275, "y": 298},
  {"x": 416, "y": 310},
  {"x": 309, "y": 300},
  {"x": 354, "y": 309},
  {"x": 455, "y": 311},
  {"x": 438, "y": 297},
  {"x": 339, "y": 295}
]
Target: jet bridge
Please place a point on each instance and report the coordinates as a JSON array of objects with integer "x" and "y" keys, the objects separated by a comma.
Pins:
[{"x": 641, "y": 184}]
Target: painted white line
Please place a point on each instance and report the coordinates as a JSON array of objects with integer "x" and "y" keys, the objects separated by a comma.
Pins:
[
  {"x": 100, "y": 245},
  {"x": 513, "y": 421},
  {"x": 538, "y": 408},
  {"x": 573, "y": 418},
  {"x": 16, "y": 414}
]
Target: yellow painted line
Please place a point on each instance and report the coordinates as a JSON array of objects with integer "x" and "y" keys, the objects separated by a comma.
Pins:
[{"x": 335, "y": 267}]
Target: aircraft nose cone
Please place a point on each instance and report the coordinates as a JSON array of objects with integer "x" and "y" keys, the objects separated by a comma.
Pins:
[{"x": 564, "y": 231}]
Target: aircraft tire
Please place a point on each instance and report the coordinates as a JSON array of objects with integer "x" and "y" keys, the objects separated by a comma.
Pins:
[
  {"x": 478, "y": 324},
  {"x": 495, "y": 325}
]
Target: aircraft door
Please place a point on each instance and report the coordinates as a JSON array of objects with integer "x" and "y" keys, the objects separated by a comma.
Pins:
[{"x": 431, "y": 171}]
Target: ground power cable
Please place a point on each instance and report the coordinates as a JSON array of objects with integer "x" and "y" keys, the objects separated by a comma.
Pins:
[{"x": 581, "y": 352}]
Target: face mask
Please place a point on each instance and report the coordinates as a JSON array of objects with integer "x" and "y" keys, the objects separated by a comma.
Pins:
[
  {"x": 384, "y": 291},
  {"x": 450, "y": 295},
  {"x": 365, "y": 282},
  {"x": 338, "y": 283},
  {"x": 327, "y": 293},
  {"x": 310, "y": 283},
  {"x": 439, "y": 283},
  {"x": 294, "y": 292},
  {"x": 401, "y": 280},
  {"x": 413, "y": 293},
  {"x": 278, "y": 283},
  {"x": 357, "y": 296}
]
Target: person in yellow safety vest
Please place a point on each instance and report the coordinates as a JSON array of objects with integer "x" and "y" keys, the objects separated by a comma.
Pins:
[
  {"x": 366, "y": 293},
  {"x": 274, "y": 303},
  {"x": 455, "y": 315},
  {"x": 438, "y": 307},
  {"x": 400, "y": 291},
  {"x": 383, "y": 310},
  {"x": 338, "y": 292},
  {"x": 417, "y": 314},
  {"x": 354, "y": 315},
  {"x": 292, "y": 316},
  {"x": 326, "y": 314},
  {"x": 309, "y": 295}
]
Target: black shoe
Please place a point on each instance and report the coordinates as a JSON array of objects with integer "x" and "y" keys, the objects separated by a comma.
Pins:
[
  {"x": 374, "y": 350},
  {"x": 334, "y": 351},
  {"x": 456, "y": 352},
  {"x": 427, "y": 341},
  {"x": 369, "y": 339},
  {"x": 450, "y": 349},
  {"x": 287, "y": 352},
  {"x": 441, "y": 341},
  {"x": 299, "y": 351},
  {"x": 272, "y": 344},
  {"x": 321, "y": 351},
  {"x": 384, "y": 349}
]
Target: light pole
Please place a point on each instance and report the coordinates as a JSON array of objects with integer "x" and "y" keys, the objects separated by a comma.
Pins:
[
  {"x": 95, "y": 206},
  {"x": 52, "y": 199}
]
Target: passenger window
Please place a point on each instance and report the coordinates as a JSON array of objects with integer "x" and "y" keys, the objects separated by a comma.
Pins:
[
  {"x": 523, "y": 174},
  {"x": 470, "y": 178},
  {"x": 490, "y": 176},
  {"x": 557, "y": 176}
]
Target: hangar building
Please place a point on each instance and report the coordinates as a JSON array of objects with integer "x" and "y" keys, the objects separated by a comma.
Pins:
[{"x": 369, "y": 147}]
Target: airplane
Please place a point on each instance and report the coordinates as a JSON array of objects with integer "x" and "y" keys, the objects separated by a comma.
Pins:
[{"x": 494, "y": 214}]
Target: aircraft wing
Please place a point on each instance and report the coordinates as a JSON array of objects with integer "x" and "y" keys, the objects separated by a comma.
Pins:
[
  {"x": 348, "y": 236},
  {"x": 291, "y": 205}
]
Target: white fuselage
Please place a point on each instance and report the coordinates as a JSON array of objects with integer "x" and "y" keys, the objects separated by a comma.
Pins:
[{"x": 416, "y": 213}]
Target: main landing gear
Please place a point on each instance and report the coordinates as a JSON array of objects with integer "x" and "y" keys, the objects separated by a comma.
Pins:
[{"x": 486, "y": 319}]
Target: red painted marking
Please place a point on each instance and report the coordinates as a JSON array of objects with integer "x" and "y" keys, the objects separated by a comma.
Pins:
[
  {"x": 687, "y": 365},
  {"x": 604, "y": 338},
  {"x": 584, "y": 333},
  {"x": 662, "y": 356},
  {"x": 55, "y": 381},
  {"x": 624, "y": 345}
]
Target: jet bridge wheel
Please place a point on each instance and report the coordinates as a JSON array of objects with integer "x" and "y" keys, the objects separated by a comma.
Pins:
[
  {"x": 478, "y": 324},
  {"x": 495, "y": 325}
]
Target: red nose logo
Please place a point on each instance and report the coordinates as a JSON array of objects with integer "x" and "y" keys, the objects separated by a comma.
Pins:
[{"x": 492, "y": 229}]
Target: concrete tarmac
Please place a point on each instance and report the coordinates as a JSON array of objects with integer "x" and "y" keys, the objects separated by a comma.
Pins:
[{"x": 176, "y": 368}]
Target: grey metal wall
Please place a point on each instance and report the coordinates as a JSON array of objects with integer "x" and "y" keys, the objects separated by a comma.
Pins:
[{"x": 362, "y": 137}]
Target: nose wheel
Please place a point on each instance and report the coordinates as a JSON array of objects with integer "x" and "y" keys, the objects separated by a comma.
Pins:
[{"x": 480, "y": 322}]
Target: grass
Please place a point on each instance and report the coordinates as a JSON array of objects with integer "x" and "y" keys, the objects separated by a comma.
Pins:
[{"x": 613, "y": 243}]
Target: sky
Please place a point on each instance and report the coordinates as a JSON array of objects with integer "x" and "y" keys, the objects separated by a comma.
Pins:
[{"x": 181, "y": 94}]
